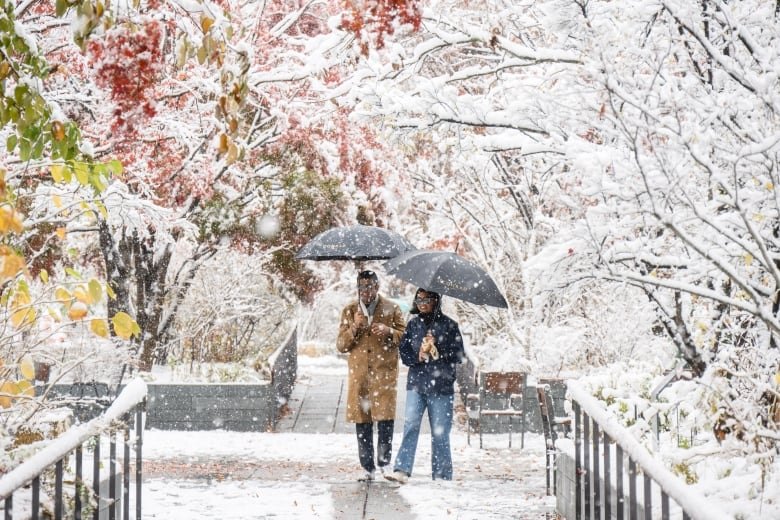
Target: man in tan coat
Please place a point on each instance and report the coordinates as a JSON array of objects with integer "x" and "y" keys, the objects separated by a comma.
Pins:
[{"x": 370, "y": 330}]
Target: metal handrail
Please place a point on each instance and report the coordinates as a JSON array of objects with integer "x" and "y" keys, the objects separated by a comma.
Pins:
[
  {"x": 590, "y": 416},
  {"x": 133, "y": 396}
]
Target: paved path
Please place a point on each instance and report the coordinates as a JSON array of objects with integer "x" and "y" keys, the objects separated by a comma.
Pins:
[
  {"x": 317, "y": 405},
  {"x": 309, "y": 469}
]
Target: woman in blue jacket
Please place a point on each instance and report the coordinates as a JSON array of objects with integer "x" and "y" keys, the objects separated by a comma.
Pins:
[{"x": 431, "y": 347}]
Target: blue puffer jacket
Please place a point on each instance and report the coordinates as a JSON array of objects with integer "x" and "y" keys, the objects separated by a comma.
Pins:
[{"x": 432, "y": 377}]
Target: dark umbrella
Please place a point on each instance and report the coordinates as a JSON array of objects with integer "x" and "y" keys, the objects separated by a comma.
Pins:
[
  {"x": 356, "y": 242},
  {"x": 446, "y": 273}
]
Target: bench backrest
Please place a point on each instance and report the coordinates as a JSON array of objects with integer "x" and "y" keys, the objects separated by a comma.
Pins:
[
  {"x": 503, "y": 383},
  {"x": 546, "y": 411}
]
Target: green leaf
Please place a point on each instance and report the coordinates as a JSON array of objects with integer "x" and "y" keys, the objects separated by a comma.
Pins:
[
  {"x": 24, "y": 150},
  {"x": 72, "y": 272},
  {"x": 115, "y": 167},
  {"x": 20, "y": 92},
  {"x": 82, "y": 173},
  {"x": 61, "y": 6},
  {"x": 95, "y": 290},
  {"x": 37, "y": 150},
  {"x": 57, "y": 172},
  {"x": 96, "y": 180},
  {"x": 10, "y": 143}
]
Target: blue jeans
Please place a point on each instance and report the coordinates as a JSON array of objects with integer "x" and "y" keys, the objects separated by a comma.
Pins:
[{"x": 440, "y": 416}]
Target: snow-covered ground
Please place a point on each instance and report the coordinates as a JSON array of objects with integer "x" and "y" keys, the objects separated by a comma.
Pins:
[{"x": 231, "y": 475}]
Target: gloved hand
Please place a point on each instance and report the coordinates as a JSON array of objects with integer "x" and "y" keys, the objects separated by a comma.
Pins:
[{"x": 428, "y": 349}]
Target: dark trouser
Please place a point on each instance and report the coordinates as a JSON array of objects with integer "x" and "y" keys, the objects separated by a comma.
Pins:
[{"x": 365, "y": 435}]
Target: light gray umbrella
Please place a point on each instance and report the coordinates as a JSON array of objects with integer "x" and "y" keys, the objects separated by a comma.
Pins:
[
  {"x": 358, "y": 242},
  {"x": 446, "y": 273}
]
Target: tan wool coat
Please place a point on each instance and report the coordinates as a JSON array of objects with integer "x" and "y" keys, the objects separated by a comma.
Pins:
[{"x": 373, "y": 363}]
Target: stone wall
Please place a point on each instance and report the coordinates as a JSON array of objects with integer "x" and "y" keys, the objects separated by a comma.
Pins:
[
  {"x": 199, "y": 406},
  {"x": 235, "y": 407}
]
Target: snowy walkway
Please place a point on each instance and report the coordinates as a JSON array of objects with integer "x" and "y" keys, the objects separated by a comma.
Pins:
[{"x": 293, "y": 475}]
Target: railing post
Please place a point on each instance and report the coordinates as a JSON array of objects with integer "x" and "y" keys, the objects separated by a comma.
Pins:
[
  {"x": 96, "y": 477},
  {"x": 607, "y": 478},
  {"x": 58, "y": 498},
  {"x": 112, "y": 474},
  {"x": 632, "y": 502},
  {"x": 139, "y": 435},
  {"x": 620, "y": 497},
  {"x": 577, "y": 461},
  {"x": 586, "y": 463},
  {"x": 47, "y": 466},
  {"x": 596, "y": 473},
  {"x": 664, "y": 505},
  {"x": 648, "y": 505},
  {"x": 36, "y": 498},
  {"x": 78, "y": 484},
  {"x": 126, "y": 471}
]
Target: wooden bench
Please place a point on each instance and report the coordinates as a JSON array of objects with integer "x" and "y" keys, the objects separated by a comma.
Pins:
[{"x": 501, "y": 394}]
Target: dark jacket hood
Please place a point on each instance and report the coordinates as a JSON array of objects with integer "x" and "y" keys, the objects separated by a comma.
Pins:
[{"x": 430, "y": 317}]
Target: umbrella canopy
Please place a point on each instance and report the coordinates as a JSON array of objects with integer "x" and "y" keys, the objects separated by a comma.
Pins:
[
  {"x": 356, "y": 242},
  {"x": 446, "y": 273}
]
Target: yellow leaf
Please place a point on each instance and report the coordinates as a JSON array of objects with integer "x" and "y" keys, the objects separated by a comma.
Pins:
[
  {"x": 82, "y": 173},
  {"x": 206, "y": 23},
  {"x": 57, "y": 201},
  {"x": 10, "y": 220},
  {"x": 77, "y": 311},
  {"x": 60, "y": 233},
  {"x": 748, "y": 259},
  {"x": 57, "y": 130},
  {"x": 9, "y": 387},
  {"x": 202, "y": 54},
  {"x": 44, "y": 275},
  {"x": 22, "y": 314},
  {"x": 57, "y": 173},
  {"x": 99, "y": 327},
  {"x": 124, "y": 325},
  {"x": 232, "y": 153},
  {"x": 54, "y": 314},
  {"x": 777, "y": 378},
  {"x": 27, "y": 367},
  {"x": 62, "y": 295},
  {"x": 25, "y": 388},
  {"x": 95, "y": 291},
  {"x": 81, "y": 294},
  {"x": 23, "y": 317},
  {"x": 12, "y": 264},
  {"x": 182, "y": 49},
  {"x": 102, "y": 209},
  {"x": 110, "y": 292},
  {"x": 224, "y": 143}
]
